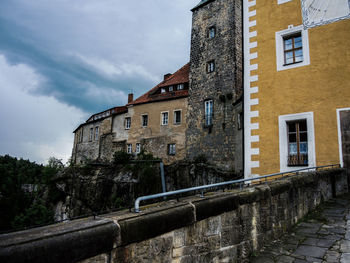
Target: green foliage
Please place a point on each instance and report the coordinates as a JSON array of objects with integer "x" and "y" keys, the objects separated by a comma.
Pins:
[
  {"x": 143, "y": 155},
  {"x": 121, "y": 157},
  {"x": 22, "y": 187},
  {"x": 36, "y": 214}
]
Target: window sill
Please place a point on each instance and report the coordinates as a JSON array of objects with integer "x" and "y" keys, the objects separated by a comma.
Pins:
[{"x": 284, "y": 65}]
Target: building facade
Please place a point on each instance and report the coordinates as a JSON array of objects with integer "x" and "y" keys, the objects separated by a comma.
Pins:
[
  {"x": 98, "y": 137},
  {"x": 296, "y": 84},
  {"x": 156, "y": 121},
  {"x": 215, "y": 93}
]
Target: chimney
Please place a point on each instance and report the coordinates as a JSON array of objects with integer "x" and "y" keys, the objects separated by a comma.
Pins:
[
  {"x": 166, "y": 76},
  {"x": 130, "y": 97}
]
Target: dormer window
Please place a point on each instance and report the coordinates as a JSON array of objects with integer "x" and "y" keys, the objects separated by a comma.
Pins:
[
  {"x": 162, "y": 90},
  {"x": 180, "y": 87},
  {"x": 171, "y": 88}
]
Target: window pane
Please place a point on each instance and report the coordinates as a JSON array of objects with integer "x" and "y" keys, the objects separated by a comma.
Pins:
[
  {"x": 289, "y": 61},
  {"x": 303, "y": 147},
  {"x": 292, "y": 127},
  {"x": 293, "y": 149},
  {"x": 289, "y": 54},
  {"x": 292, "y": 137},
  {"x": 298, "y": 44},
  {"x": 299, "y": 59},
  {"x": 303, "y": 136},
  {"x": 302, "y": 126}
]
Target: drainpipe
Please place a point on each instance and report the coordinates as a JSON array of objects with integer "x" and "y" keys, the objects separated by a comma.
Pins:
[{"x": 161, "y": 164}]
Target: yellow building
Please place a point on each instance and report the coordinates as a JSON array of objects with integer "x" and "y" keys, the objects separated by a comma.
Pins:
[
  {"x": 296, "y": 84},
  {"x": 156, "y": 121}
]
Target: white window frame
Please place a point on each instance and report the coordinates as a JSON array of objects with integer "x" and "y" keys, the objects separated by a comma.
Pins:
[
  {"x": 97, "y": 131},
  {"x": 162, "y": 90},
  {"x": 164, "y": 121},
  {"x": 171, "y": 149},
  {"x": 171, "y": 88},
  {"x": 282, "y": 1},
  {"x": 283, "y": 140},
  {"x": 138, "y": 148},
  {"x": 142, "y": 116},
  {"x": 280, "y": 47},
  {"x": 127, "y": 123},
  {"x": 340, "y": 141},
  {"x": 129, "y": 148},
  {"x": 177, "y": 123}
]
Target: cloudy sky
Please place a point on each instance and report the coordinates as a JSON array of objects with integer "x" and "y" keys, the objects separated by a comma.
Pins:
[{"x": 63, "y": 60}]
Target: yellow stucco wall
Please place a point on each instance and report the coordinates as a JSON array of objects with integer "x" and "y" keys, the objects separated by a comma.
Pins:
[
  {"x": 157, "y": 135},
  {"x": 321, "y": 87}
]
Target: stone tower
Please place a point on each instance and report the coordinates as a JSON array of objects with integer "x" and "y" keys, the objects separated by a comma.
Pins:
[{"x": 215, "y": 89}]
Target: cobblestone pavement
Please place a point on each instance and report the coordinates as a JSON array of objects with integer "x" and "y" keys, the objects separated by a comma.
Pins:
[{"x": 324, "y": 236}]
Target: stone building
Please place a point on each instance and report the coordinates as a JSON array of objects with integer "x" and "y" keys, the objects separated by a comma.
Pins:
[
  {"x": 215, "y": 90},
  {"x": 296, "y": 84},
  {"x": 156, "y": 121},
  {"x": 99, "y": 137}
]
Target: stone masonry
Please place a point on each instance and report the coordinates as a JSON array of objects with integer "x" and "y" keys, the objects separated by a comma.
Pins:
[
  {"x": 221, "y": 142},
  {"x": 221, "y": 227}
]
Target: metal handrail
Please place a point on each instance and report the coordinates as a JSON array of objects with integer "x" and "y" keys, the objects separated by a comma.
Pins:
[{"x": 241, "y": 181}]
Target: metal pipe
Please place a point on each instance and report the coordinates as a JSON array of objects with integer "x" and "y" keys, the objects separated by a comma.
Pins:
[
  {"x": 185, "y": 190},
  {"x": 162, "y": 176}
]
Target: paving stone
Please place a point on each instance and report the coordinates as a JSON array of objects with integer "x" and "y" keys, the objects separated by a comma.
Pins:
[
  {"x": 325, "y": 243},
  {"x": 345, "y": 246},
  {"x": 311, "y": 259},
  {"x": 261, "y": 260},
  {"x": 313, "y": 251},
  {"x": 285, "y": 259},
  {"x": 345, "y": 258}
]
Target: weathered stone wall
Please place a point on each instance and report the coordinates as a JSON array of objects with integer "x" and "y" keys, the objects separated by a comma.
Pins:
[
  {"x": 224, "y": 227},
  {"x": 220, "y": 142}
]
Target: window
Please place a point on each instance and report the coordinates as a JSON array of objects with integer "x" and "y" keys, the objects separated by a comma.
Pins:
[
  {"x": 211, "y": 32},
  {"x": 165, "y": 118},
  {"x": 96, "y": 133},
  {"x": 138, "y": 148},
  {"x": 162, "y": 90},
  {"x": 171, "y": 88},
  {"x": 91, "y": 134},
  {"x": 127, "y": 123},
  {"x": 180, "y": 86},
  {"x": 144, "y": 120},
  {"x": 297, "y": 143},
  {"x": 81, "y": 135},
  {"x": 177, "y": 116},
  {"x": 129, "y": 148},
  {"x": 171, "y": 149},
  {"x": 208, "y": 107},
  {"x": 240, "y": 120},
  {"x": 292, "y": 48},
  {"x": 210, "y": 66}
]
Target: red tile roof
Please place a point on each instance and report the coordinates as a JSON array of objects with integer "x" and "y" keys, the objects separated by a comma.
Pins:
[{"x": 179, "y": 77}]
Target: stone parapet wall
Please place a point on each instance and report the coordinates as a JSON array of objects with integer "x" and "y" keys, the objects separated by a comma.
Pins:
[{"x": 222, "y": 227}]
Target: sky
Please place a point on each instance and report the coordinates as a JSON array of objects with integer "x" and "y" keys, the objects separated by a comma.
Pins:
[{"x": 63, "y": 60}]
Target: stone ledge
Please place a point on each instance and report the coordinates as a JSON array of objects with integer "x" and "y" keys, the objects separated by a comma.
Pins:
[
  {"x": 146, "y": 226},
  {"x": 65, "y": 242}
]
